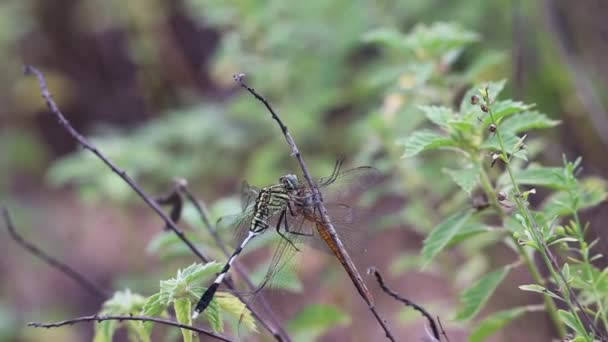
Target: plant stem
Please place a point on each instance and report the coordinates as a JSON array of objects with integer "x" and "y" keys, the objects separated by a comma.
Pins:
[
  {"x": 543, "y": 248},
  {"x": 550, "y": 305}
]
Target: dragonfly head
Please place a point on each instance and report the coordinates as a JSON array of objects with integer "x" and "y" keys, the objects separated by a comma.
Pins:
[{"x": 290, "y": 181}]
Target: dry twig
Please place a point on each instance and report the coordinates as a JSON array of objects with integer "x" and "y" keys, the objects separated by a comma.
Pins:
[
  {"x": 319, "y": 207},
  {"x": 100, "y": 318},
  {"x": 87, "y": 284}
]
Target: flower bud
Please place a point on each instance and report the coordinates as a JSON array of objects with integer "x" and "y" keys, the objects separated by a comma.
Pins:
[{"x": 501, "y": 196}]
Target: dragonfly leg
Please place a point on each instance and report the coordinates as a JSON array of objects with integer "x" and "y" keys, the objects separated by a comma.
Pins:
[
  {"x": 283, "y": 220},
  {"x": 286, "y": 226}
]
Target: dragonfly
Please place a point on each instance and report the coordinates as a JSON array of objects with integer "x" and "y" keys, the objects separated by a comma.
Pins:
[{"x": 291, "y": 207}]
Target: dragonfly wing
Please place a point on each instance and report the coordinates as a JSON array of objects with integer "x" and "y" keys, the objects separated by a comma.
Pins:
[
  {"x": 348, "y": 183},
  {"x": 248, "y": 195}
]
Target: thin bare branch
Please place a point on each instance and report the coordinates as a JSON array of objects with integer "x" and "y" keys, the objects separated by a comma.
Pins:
[
  {"x": 46, "y": 94},
  {"x": 407, "y": 302},
  {"x": 101, "y": 318},
  {"x": 319, "y": 207},
  {"x": 442, "y": 330},
  {"x": 87, "y": 284}
]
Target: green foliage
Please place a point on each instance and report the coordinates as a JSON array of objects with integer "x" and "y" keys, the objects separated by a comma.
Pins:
[
  {"x": 122, "y": 303},
  {"x": 314, "y": 320},
  {"x": 443, "y": 234},
  {"x": 184, "y": 289},
  {"x": 495, "y": 322},
  {"x": 183, "y": 313},
  {"x": 474, "y": 298},
  {"x": 412, "y": 70},
  {"x": 486, "y": 126}
]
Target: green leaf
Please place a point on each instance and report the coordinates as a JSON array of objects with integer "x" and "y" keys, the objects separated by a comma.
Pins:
[
  {"x": 442, "y": 234},
  {"x": 470, "y": 230},
  {"x": 571, "y": 322},
  {"x": 121, "y": 303},
  {"x": 188, "y": 281},
  {"x": 526, "y": 121},
  {"x": 591, "y": 191},
  {"x": 390, "y": 38},
  {"x": 214, "y": 316},
  {"x": 232, "y": 305},
  {"x": 502, "y": 109},
  {"x": 539, "y": 289},
  {"x": 105, "y": 330},
  {"x": 492, "y": 143},
  {"x": 494, "y": 89},
  {"x": 495, "y": 322},
  {"x": 467, "y": 178},
  {"x": 438, "y": 39},
  {"x": 424, "y": 140},
  {"x": 154, "y": 306},
  {"x": 540, "y": 176},
  {"x": 438, "y": 115},
  {"x": 475, "y": 297},
  {"x": 182, "y": 308},
  {"x": 314, "y": 320}
]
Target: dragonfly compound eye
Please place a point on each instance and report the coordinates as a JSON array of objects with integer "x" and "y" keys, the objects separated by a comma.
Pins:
[{"x": 290, "y": 181}]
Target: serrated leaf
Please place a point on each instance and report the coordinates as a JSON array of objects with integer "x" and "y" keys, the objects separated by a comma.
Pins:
[
  {"x": 314, "y": 320},
  {"x": 571, "y": 322},
  {"x": 540, "y": 176},
  {"x": 467, "y": 178},
  {"x": 494, "y": 89},
  {"x": 502, "y": 109},
  {"x": 214, "y": 316},
  {"x": 438, "y": 39},
  {"x": 121, "y": 303},
  {"x": 438, "y": 115},
  {"x": 442, "y": 235},
  {"x": 495, "y": 322},
  {"x": 474, "y": 298},
  {"x": 182, "y": 308},
  {"x": 154, "y": 306},
  {"x": 526, "y": 121},
  {"x": 492, "y": 143},
  {"x": 424, "y": 140},
  {"x": 539, "y": 289},
  {"x": 233, "y": 306},
  {"x": 188, "y": 280},
  {"x": 468, "y": 231},
  {"x": 591, "y": 192}
]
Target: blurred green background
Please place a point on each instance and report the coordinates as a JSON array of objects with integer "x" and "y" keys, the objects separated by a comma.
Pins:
[{"x": 151, "y": 82}]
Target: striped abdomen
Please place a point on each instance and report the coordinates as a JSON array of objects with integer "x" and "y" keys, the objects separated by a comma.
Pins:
[{"x": 269, "y": 201}]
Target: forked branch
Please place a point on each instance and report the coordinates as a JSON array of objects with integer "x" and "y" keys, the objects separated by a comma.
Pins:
[{"x": 407, "y": 302}]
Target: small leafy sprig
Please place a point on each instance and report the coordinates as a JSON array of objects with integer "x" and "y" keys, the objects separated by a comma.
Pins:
[{"x": 490, "y": 136}]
